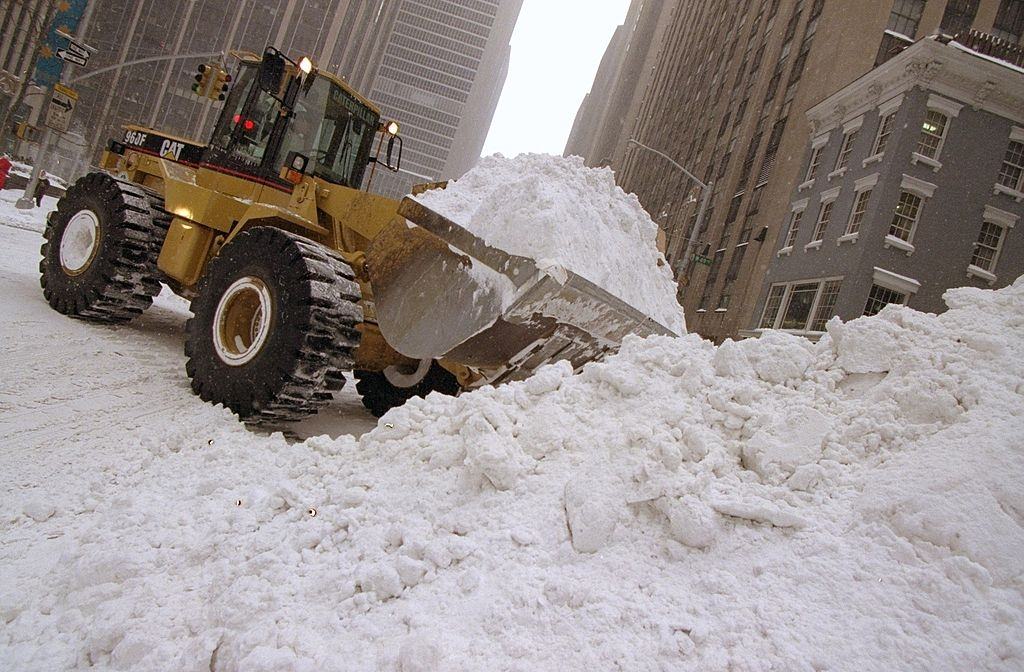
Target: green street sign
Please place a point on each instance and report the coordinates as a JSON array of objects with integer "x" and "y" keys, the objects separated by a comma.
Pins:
[{"x": 701, "y": 259}]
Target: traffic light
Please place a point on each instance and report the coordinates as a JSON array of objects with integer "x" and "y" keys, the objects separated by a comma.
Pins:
[
  {"x": 221, "y": 84},
  {"x": 203, "y": 74},
  {"x": 26, "y": 132}
]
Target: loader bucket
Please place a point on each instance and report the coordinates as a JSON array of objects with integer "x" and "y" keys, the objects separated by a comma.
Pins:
[{"x": 443, "y": 293}]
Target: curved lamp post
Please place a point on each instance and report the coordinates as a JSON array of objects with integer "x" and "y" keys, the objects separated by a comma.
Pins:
[{"x": 705, "y": 201}]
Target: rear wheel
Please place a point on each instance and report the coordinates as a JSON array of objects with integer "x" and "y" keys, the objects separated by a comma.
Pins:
[
  {"x": 100, "y": 250},
  {"x": 383, "y": 390},
  {"x": 274, "y": 327}
]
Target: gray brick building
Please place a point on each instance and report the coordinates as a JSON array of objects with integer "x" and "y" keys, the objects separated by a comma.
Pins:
[{"x": 913, "y": 182}]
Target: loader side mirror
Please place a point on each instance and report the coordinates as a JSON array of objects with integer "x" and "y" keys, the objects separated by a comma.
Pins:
[
  {"x": 391, "y": 164},
  {"x": 271, "y": 71}
]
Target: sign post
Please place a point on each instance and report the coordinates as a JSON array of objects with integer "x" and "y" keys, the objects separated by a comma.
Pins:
[
  {"x": 62, "y": 101},
  {"x": 62, "y": 105}
]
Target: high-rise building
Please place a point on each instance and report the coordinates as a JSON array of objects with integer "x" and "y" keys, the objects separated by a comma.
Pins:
[
  {"x": 436, "y": 66},
  {"x": 727, "y": 99},
  {"x": 441, "y": 75},
  {"x": 609, "y": 110}
]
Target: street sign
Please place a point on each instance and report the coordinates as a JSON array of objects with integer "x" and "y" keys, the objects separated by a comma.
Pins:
[
  {"x": 77, "y": 49},
  {"x": 72, "y": 57},
  {"x": 62, "y": 104},
  {"x": 701, "y": 259}
]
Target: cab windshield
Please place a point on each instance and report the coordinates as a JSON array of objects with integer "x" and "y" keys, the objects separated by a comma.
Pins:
[{"x": 334, "y": 130}]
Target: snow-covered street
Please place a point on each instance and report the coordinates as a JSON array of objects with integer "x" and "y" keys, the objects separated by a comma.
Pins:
[{"x": 773, "y": 504}]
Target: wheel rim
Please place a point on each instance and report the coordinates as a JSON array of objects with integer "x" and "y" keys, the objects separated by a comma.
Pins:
[
  {"x": 79, "y": 242},
  {"x": 242, "y": 321},
  {"x": 407, "y": 376}
]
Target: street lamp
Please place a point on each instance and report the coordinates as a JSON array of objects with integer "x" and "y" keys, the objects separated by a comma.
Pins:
[{"x": 705, "y": 201}]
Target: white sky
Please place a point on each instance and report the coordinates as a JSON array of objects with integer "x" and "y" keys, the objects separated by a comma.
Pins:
[{"x": 556, "y": 48}]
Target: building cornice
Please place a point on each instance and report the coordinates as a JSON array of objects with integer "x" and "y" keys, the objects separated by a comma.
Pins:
[{"x": 947, "y": 69}]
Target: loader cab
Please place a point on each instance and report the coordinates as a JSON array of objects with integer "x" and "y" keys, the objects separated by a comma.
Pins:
[{"x": 270, "y": 118}]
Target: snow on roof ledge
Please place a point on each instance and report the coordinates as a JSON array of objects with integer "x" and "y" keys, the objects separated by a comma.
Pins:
[{"x": 991, "y": 59}]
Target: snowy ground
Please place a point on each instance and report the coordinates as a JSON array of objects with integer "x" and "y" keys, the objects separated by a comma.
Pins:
[{"x": 855, "y": 504}]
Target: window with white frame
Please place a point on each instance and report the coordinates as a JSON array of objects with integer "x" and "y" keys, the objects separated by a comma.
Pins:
[
  {"x": 824, "y": 217},
  {"x": 794, "y": 227},
  {"x": 933, "y": 134},
  {"x": 843, "y": 161},
  {"x": 994, "y": 229},
  {"x": 812, "y": 168},
  {"x": 771, "y": 306},
  {"x": 888, "y": 287},
  {"x": 990, "y": 243},
  {"x": 935, "y": 130},
  {"x": 826, "y": 308},
  {"x": 885, "y": 128},
  {"x": 880, "y": 297},
  {"x": 1011, "y": 175},
  {"x": 804, "y": 305},
  {"x": 860, "y": 208},
  {"x": 908, "y": 213}
]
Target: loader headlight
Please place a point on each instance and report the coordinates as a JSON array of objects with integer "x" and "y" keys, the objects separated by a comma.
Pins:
[
  {"x": 306, "y": 65},
  {"x": 393, "y": 127}
]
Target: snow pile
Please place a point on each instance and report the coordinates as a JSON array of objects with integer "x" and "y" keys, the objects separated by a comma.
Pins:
[
  {"x": 855, "y": 504},
  {"x": 561, "y": 213}
]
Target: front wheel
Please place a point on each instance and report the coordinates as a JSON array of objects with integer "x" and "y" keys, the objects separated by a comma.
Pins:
[
  {"x": 383, "y": 390},
  {"x": 274, "y": 327}
]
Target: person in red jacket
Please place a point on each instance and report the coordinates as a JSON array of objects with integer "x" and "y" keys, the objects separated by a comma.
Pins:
[{"x": 5, "y": 168}]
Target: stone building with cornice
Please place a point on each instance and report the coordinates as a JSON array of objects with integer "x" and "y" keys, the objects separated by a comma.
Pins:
[
  {"x": 726, "y": 98},
  {"x": 912, "y": 183}
]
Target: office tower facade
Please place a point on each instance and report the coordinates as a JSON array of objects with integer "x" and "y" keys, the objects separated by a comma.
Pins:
[
  {"x": 441, "y": 75},
  {"x": 728, "y": 100},
  {"x": 609, "y": 110},
  {"x": 437, "y": 66}
]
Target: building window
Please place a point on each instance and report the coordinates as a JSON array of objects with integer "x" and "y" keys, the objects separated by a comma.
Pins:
[
  {"x": 771, "y": 307},
  {"x": 734, "y": 208},
  {"x": 908, "y": 212},
  {"x": 860, "y": 208},
  {"x": 1011, "y": 175},
  {"x": 798, "y": 306},
  {"x": 794, "y": 228},
  {"x": 812, "y": 168},
  {"x": 933, "y": 134},
  {"x": 991, "y": 237},
  {"x": 885, "y": 127},
  {"x": 905, "y": 16},
  {"x": 824, "y": 217},
  {"x": 1009, "y": 23},
  {"x": 735, "y": 263},
  {"x": 826, "y": 309},
  {"x": 804, "y": 305},
  {"x": 723, "y": 302},
  {"x": 844, "y": 154},
  {"x": 959, "y": 16},
  {"x": 986, "y": 250},
  {"x": 880, "y": 297}
]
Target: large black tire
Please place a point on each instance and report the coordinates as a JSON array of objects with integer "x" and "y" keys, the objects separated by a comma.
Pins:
[
  {"x": 283, "y": 367},
  {"x": 380, "y": 395},
  {"x": 103, "y": 266}
]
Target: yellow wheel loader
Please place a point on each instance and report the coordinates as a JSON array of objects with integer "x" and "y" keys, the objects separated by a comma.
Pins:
[{"x": 298, "y": 275}]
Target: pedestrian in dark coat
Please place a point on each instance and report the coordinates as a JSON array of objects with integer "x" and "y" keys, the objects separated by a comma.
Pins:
[{"x": 41, "y": 188}]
